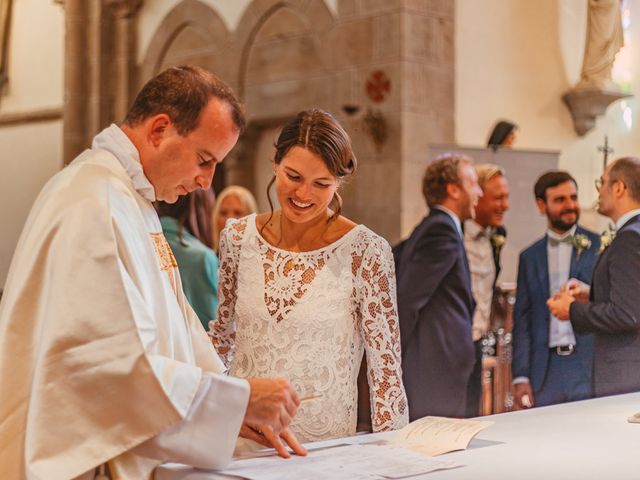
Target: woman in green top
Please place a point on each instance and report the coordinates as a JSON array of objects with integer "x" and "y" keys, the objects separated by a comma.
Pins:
[{"x": 187, "y": 228}]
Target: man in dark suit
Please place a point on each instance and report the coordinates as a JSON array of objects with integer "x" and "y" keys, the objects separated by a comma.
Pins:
[
  {"x": 551, "y": 363},
  {"x": 435, "y": 303},
  {"x": 610, "y": 308}
]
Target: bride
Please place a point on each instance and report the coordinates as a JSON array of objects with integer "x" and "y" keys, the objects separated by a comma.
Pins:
[{"x": 304, "y": 291}]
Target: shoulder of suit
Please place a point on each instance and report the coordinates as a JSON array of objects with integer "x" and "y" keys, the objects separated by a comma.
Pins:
[
  {"x": 441, "y": 220},
  {"x": 629, "y": 232},
  {"x": 533, "y": 247},
  {"x": 633, "y": 225},
  {"x": 589, "y": 233}
]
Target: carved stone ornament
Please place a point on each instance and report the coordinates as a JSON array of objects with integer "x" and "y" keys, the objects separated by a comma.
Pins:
[
  {"x": 375, "y": 125},
  {"x": 586, "y": 105},
  {"x": 595, "y": 90}
]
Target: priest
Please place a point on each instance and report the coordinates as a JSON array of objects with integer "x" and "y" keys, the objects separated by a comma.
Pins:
[{"x": 105, "y": 369}]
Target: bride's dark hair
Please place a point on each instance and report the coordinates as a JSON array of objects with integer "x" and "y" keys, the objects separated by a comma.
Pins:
[{"x": 320, "y": 133}]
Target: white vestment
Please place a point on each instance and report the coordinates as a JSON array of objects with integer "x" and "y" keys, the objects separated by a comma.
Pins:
[{"x": 101, "y": 357}]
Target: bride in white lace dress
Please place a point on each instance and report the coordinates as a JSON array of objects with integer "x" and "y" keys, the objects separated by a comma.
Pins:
[{"x": 304, "y": 292}]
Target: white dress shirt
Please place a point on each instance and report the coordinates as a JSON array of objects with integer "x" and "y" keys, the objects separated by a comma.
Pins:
[
  {"x": 477, "y": 242},
  {"x": 559, "y": 264}
]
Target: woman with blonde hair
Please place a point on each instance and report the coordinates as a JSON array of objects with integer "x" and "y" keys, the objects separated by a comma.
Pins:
[
  {"x": 232, "y": 202},
  {"x": 305, "y": 292}
]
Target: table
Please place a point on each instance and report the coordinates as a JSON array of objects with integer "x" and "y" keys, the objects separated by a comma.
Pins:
[{"x": 590, "y": 439}]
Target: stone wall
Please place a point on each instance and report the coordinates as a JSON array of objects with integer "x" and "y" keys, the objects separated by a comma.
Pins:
[{"x": 285, "y": 56}]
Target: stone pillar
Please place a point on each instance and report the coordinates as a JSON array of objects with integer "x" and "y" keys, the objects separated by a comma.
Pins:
[
  {"x": 395, "y": 68},
  {"x": 99, "y": 68},
  {"x": 124, "y": 12},
  {"x": 75, "y": 84},
  {"x": 427, "y": 104}
]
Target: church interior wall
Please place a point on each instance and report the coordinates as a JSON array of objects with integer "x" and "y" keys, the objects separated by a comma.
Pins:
[
  {"x": 31, "y": 148},
  {"x": 517, "y": 62},
  {"x": 513, "y": 59},
  {"x": 282, "y": 57}
]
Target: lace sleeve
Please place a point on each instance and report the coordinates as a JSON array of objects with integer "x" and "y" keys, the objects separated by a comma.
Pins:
[
  {"x": 223, "y": 330},
  {"x": 378, "y": 319}
]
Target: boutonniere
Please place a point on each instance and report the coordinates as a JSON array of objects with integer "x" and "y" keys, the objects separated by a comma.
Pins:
[
  {"x": 606, "y": 238},
  {"x": 498, "y": 240},
  {"x": 581, "y": 243}
]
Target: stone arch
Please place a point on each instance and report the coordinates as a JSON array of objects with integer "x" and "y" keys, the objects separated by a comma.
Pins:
[
  {"x": 283, "y": 64},
  {"x": 190, "y": 33},
  {"x": 281, "y": 41}
]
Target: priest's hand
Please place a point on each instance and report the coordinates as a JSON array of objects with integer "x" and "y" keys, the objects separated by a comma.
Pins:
[
  {"x": 272, "y": 402},
  {"x": 264, "y": 435},
  {"x": 523, "y": 395},
  {"x": 560, "y": 304},
  {"x": 578, "y": 290}
]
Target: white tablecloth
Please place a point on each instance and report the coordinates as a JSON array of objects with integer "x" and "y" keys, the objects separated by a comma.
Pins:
[{"x": 582, "y": 440}]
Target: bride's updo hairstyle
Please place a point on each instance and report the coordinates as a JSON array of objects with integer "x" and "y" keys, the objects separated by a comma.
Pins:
[{"x": 318, "y": 132}]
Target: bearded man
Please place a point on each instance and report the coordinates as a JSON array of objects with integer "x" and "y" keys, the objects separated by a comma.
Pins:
[{"x": 552, "y": 363}]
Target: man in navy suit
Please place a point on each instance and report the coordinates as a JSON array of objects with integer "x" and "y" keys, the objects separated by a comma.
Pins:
[
  {"x": 610, "y": 309},
  {"x": 435, "y": 303},
  {"x": 552, "y": 363}
]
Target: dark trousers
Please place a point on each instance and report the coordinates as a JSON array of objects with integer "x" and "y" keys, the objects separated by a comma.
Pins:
[
  {"x": 566, "y": 381},
  {"x": 474, "y": 387}
]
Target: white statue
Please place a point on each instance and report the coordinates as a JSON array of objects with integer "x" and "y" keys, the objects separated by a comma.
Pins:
[{"x": 604, "y": 40}]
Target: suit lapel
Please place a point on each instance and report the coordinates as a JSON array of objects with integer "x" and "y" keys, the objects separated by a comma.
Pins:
[
  {"x": 463, "y": 254},
  {"x": 542, "y": 265},
  {"x": 575, "y": 263},
  {"x": 595, "y": 269}
]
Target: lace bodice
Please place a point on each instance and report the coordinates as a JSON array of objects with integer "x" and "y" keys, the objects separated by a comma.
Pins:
[{"x": 309, "y": 317}]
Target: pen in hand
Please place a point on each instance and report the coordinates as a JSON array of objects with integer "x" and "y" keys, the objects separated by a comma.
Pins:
[{"x": 311, "y": 397}]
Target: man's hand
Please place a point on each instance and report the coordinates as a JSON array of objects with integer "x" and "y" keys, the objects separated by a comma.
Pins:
[
  {"x": 560, "y": 304},
  {"x": 523, "y": 394},
  {"x": 272, "y": 402},
  {"x": 578, "y": 290},
  {"x": 264, "y": 435}
]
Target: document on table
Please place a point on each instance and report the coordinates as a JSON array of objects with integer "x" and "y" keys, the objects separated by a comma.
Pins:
[
  {"x": 349, "y": 462},
  {"x": 635, "y": 418},
  {"x": 437, "y": 435}
]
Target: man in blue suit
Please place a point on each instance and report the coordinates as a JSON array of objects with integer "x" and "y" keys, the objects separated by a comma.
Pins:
[
  {"x": 435, "y": 303},
  {"x": 552, "y": 363},
  {"x": 610, "y": 308}
]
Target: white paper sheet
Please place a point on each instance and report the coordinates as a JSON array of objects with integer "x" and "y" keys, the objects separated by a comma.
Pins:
[
  {"x": 438, "y": 435},
  {"x": 351, "y": 462}
]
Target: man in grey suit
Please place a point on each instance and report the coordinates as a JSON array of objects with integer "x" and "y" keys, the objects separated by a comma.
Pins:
[
  {"x": 435, "y": 304},
  {"x": 610, "y": 309}
]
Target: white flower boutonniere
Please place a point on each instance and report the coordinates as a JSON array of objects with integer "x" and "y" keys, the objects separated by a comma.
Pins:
[
  {"x": 606, "y": 238},
  {"x": 581, "y": 243},
  {"x": 498, "y": 240}
]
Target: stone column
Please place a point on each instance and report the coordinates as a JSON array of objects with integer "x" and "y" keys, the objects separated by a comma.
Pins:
[
  {"x": 75, "y": 85},
  {"x": 99, "y": 68},
  {"x": 395, "y": 68},
  {"x": 427, "y": 105},
  {"x": 123, "y": 64}
]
